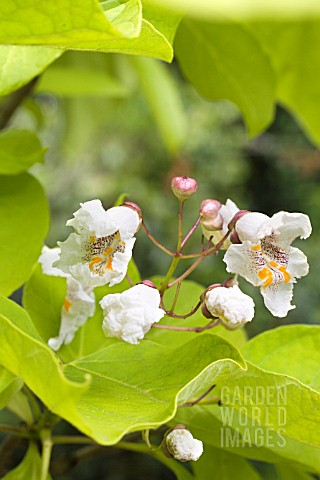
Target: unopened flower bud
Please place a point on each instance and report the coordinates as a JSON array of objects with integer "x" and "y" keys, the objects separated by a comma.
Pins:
[
  {"x": 211, "y": 287},
  {"x": 209, "y": 208},
  {"x": 148, "y": 283},
  {"x": 213, "y": 224},
  {"x": 234, "y": 238},
  {"x": 205, "y": 312},
  {"x": 230, "y": 282},
  {"x": 180, "y": 444},
  {"x": 237, "y": 217},
  {"x": 183, "y": 187},
  {"x": 137, "y": 209}
]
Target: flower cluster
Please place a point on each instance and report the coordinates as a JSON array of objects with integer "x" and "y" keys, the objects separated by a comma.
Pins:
[{"x": 257, "y": 248}]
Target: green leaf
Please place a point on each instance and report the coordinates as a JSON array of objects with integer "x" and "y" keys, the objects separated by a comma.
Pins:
[
  {"x": 81, "y": 24},
  {"x": 19, "y": 64},
  {"x": 164, "y": 100},
  {"x": 241, "y": 8},
  {"x": 165, "y": 22},
  {"x": 24, "y": 213},
  {"x": 20, "y": 406},
  {"x": 29, "y": 468},
  {"x": 225, "y": 61},
  {"x": 189, "y": 296},
  {"x": 9, "y": 384},
  {"x": 19, "y": 150},
  {"x": 216, "y": 463},
  {"x": 293, "y": 49},
  {"x": 127, "y": 391},
  {"x": 290, "y": 350}
]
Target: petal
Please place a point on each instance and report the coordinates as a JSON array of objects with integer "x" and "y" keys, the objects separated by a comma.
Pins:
[
  {"x": 81, "y": 307},
  {"x": 126, "y": 219},
  {"x": 47, "y": 258},
  {"x": 277, "y": 298},
  {"x": 71, "y": 253},
  {"x": 298, "y": 265},
  {"x": 245, "y": 261},
  {"x": 227, "y": 212},
  {"x": 247, "y": 227},
  {"x": 91, "y": 217},
  {"x": 286, "y": 227}
]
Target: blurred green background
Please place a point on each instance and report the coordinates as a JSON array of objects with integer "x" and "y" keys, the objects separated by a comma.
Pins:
[{"x": 103, "y": 123}]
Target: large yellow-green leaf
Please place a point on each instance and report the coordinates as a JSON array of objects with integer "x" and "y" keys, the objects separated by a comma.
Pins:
[
  {"x": 276, "y": 416},
  {"x": 290, "y": 350},
  {"x": 24, "y": 224},
  {"x": 19, "y": 64},
  {"x": 130, "y": 387},
  {"x": 19, "y": 150},
  {"x": 77, "y": 24},
  {"x": 293, "y": 49},
  {"x": 225, "y": 61}
]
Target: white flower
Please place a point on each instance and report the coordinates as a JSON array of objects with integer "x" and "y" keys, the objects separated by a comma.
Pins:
[
  {"x": 79, "y": 303},
  {"x": 100, "y": 250},
  {"x": 227, "y": 212},
  {"x": 130, "y": 315},
  {"x": 182, "y": 446},
  {"x": 265, "y": 257},
  {"x": 231, "y": 305}
]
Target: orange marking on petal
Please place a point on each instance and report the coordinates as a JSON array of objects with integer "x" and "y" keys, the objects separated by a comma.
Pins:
[
  {"x": 256, "y": 248},
  {"x": 286, "y": 275},
  {"x": 263, "y": 273},
  {"x": 274, "y": 264},
  {"x": 67, "y": 304},
  {"x": 94, "y": 261},
  {"x": 266, "y": 275},
  {"x": 109, "y": 264},
  {"x": 108, "y": 252}
]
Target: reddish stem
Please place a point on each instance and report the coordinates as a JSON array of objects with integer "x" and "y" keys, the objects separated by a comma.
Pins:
[
  {"x": 210, "y": 325},
  {"x": 184, "y": 241},
  {"x": 155, "y": 241}
]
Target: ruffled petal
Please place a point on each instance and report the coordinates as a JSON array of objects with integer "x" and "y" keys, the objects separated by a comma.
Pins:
[
  {"x": 247, "y": 227},
  {"x": 246, "y": 261},
  {"x": 286, "y": 227},
  {"x": 71, "y": 253},
  {"x": 79, "y": 305},
  {"x": 277, "y": 298},
  {"x": 126, "y": 219},
  {"x": 47, "y": 258},
  {"x": 91, "y": 217},
  {"x": 298, "y": 265}
]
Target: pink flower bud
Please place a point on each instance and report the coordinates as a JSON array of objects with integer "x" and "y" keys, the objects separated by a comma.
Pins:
[
  {"x": 213, "y": 224},
  {"x": 209, "y": 208},
  {"x": 230, "y": 282},
  {"x": 234, "y": 238},
  {"x": 183, "y": 187},
  {"x": 148, "y": 283}
]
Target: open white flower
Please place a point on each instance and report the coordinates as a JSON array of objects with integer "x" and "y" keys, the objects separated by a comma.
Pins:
[
  {"x": 227, "y": 212},
  {"x": 182, "y": 446},
  {"x": 130, "y": 315},
  {"x": 99, "y": 251},
  {"x": 231, "y": 305},
  {"x": 79, "y": 303},
  {"x": 265, "y": 257}
]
